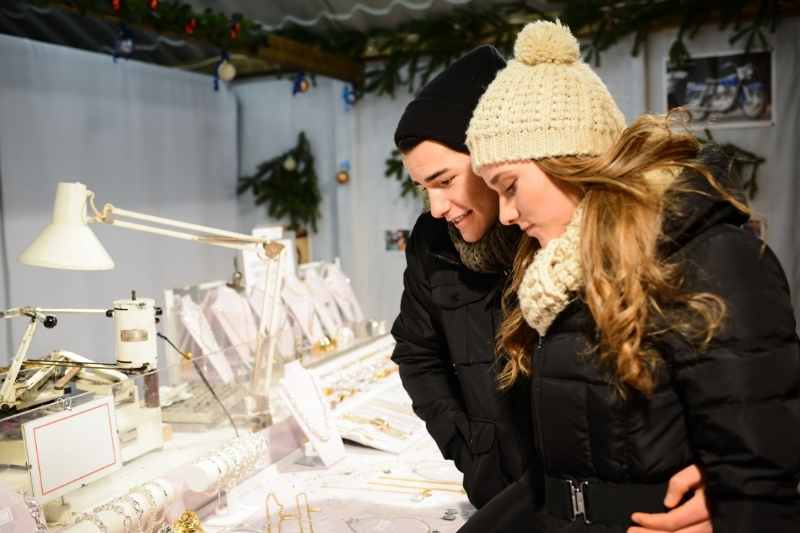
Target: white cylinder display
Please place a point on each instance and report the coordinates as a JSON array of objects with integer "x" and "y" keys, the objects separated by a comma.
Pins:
[{"x": 135, "y": 327}]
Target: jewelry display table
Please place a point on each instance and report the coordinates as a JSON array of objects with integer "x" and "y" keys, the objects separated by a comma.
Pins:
[{"x": 367, "y": 491}]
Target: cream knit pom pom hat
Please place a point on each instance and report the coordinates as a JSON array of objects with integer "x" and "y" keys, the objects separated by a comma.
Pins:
[{"x": 547, "y": 102}]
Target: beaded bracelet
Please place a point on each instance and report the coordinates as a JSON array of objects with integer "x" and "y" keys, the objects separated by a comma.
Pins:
[
  {"x": 134, "y": 503},
  {"x": 127, "y": 519},
  {"x": 87, "y": 517}
]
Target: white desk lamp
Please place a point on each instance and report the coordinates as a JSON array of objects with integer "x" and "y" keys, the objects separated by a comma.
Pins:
[{"x": 68, "y": 243}]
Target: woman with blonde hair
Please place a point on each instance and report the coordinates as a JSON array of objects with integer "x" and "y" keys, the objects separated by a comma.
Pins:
[{"x": 656, "y": 332}]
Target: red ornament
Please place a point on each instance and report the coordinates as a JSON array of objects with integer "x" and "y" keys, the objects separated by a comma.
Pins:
[
  {"x": 236, "y": 29},
  {"x": 190, "y": 26},
  {"x": 116, "y": 5},
  {"x": 153, "y": 5}
]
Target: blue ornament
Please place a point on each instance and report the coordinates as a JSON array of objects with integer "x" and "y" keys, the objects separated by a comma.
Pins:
[
  {"x": 123, "y": 44},
  {"x": 348, "y": 96}
]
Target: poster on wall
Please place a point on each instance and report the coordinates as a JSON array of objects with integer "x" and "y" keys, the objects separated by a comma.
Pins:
[
  {"x": 726, "y": 90},
  {"x": 396, "y": 240}
]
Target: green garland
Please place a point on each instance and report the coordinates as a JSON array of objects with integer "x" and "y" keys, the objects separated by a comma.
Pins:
[
  {"x": 178, "y": 18},
  {"x": 410, "y": 53},
  {"x": 288, "y": 186},
  {"x": 608, "y": 22}
]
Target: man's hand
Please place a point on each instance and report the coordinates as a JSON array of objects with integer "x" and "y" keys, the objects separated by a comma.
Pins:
[{"x": 691, "y": 517}]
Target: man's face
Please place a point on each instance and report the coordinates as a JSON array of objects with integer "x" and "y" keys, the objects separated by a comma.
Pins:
[{"x": 455, "y": 192}]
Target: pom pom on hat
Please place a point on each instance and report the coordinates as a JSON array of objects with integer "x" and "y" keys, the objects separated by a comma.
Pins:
[{"x": 546, "y": 42}]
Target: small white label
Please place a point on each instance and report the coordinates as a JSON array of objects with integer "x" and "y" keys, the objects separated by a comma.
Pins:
[{"x": 5, "y": 516}]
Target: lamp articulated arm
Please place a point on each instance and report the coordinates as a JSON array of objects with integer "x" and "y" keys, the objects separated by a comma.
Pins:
[
  {"x": 8, "y": 392},
  {"x": 68, "y": 243}
]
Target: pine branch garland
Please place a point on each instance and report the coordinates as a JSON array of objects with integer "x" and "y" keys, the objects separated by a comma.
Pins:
[{"x": 288, "y": 186}]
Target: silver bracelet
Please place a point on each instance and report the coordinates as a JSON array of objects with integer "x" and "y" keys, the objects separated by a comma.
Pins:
[
  {"x": 127, "y": 520},
  {"x": 94, "y": 519},
  {"x": 134, "y": 503},
  {"x": 160, "y": 486},
  {"x": 158, "y": 520},
  {"x": 151, "y": 502}
]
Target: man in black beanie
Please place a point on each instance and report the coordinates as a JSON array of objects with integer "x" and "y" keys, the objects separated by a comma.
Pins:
[{"x": 458, "y": 257}]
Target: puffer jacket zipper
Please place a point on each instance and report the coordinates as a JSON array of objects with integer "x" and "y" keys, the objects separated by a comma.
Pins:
[{"x": 537, "y": 380}]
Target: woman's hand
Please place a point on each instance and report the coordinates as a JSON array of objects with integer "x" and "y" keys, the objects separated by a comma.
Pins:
[{"x": 691, "y": 517}]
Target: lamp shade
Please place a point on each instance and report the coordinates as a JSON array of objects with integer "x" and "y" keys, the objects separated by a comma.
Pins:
[{"x": 67, "y": 242}]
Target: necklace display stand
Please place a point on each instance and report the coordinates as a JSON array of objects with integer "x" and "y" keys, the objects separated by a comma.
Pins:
[
  {"x": 342, "y": 291},
  {"x": 300, "y": 303},
  {"x": 286, "y": 328},
  {"x": 302, "y": 395},
  {"x": 231, "y": 311},
  {"x": 324, "y": 303}
]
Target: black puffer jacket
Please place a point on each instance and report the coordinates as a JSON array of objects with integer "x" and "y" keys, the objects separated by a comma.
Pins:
[
  {"x": 445, "y": 349},
  {"x": 734, "y": 409}
]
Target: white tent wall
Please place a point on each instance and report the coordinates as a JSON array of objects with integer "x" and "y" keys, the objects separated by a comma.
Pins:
[
  {"x": 270, "y": 119},
  {"x": 779, "y": 191},
  {"x": 142, "y": 137}
]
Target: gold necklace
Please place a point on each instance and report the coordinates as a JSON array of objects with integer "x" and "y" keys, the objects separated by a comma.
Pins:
[
  {"x": 381, "y": 423},
  {"x": 309, "y": 510},
  {"x": 420, "y": 485}
]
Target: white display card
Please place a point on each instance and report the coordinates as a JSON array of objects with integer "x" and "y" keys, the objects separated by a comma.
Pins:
[
  {"x": 71, "y": 448},
  {"x": 302, "y": 395}
]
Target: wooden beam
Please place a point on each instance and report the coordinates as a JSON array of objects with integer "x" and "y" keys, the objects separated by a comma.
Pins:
[{"x": 295, "y": 55}]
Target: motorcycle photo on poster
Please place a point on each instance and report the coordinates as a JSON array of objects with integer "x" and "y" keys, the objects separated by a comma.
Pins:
[{"x": 724, "y": 90}]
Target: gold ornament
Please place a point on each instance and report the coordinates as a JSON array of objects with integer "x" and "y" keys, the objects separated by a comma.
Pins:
[
  {"x": 342, "y": 177},
  {"x": 188, "y": 522}
]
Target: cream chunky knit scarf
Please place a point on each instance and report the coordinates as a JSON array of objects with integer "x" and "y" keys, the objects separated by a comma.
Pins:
[{"x": 553, "y": 277}]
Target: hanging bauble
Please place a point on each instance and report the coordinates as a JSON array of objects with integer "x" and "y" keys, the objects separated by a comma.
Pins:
[
  {"x": 116, "y": 5},
  {"x": 343, "y": 176},
  {"x": 190, "y": 26},
  {"x": 300, "y": 84},
  {"x": 153, "y": 5},
  {"x": 226, "y": 71},
  {"x": 289, "y": 164},
  {"x": 348, "y": 96},
  {"x": 123, "y": 44}
]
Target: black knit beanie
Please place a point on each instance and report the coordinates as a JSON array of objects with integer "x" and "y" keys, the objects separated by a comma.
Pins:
[{"x": 442, "y": 109}]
